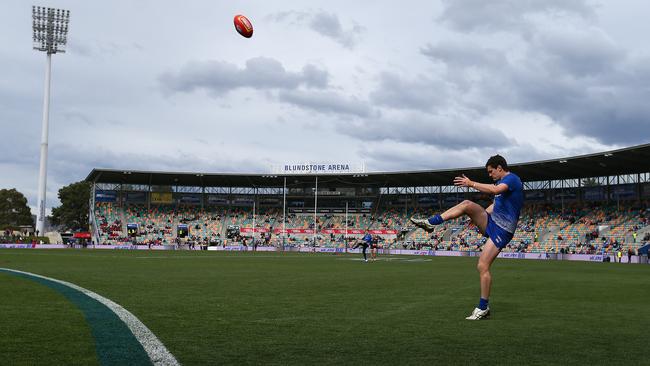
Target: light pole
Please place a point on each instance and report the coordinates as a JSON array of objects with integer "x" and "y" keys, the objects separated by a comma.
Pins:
[{"x": 51, "y": 36}]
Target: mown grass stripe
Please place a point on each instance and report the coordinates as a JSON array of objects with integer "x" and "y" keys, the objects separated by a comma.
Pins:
[{"x": 121, "y": 339}]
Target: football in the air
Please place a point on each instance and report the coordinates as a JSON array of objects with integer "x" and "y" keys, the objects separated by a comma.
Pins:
[{"x": 243, "y": 26}]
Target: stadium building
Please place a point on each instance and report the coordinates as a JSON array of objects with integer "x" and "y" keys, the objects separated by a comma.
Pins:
[{"x": 595, "y": 203}]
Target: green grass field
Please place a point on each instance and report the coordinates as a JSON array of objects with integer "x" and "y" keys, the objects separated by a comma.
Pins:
[{"x": 299, "y": 309}]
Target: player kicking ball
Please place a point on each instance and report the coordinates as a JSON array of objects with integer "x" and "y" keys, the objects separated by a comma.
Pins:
[
  {"x": 498, "y": 222},
  {"x": 364, "y": 244}
]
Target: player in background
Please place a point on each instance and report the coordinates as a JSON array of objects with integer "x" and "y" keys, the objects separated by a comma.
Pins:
[
  {"x": 498, "y": 222},
  {"x": 364, "y": 243},
  {"x": 373, "y": 248}
]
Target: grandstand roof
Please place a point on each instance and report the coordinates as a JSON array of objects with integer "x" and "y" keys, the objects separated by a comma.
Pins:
[{"x": 630, "y": 160}]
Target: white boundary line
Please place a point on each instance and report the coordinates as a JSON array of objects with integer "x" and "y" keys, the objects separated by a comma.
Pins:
[{"x": 158, "y": 353}]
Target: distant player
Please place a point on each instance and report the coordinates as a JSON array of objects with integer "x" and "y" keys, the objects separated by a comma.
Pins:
[
  {"x": 364, "y": 243},
  {"x": 498, "y": 222},
  {"x": 373, "y": 248}
]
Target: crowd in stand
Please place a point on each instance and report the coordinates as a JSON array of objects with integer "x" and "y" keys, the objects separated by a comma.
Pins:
[{"x": 583, "y": 229}]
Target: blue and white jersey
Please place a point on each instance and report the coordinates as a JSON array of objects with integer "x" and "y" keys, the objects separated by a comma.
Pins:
[
  {"x": 367, "y": 238},
  {"x": 507, "y": 205}
]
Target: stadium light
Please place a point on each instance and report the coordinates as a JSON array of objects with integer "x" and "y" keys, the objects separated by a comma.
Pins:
[{"x": 50, "y": 28}]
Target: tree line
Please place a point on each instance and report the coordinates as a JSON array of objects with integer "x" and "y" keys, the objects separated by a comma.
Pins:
[{"x": 71, "y": 215}]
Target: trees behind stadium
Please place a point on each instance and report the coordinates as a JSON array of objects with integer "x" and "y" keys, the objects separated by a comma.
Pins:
[
  {"x": 14, "y": 211},
  {"x": 73, "y": 212}
]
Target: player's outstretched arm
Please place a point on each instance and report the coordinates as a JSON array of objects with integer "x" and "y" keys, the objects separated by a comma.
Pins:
[{"x": 463, "y": 181}]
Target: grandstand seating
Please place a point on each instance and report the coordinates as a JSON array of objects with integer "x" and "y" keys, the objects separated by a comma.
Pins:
[{"x": 542, "y": 228}]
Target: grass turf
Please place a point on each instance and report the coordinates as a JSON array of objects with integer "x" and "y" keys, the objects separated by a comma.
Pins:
[{"x": 240, "y": 308}]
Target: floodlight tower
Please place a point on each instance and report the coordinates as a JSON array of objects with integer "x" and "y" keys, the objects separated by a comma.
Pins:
[{"x": 50, "y": 36}]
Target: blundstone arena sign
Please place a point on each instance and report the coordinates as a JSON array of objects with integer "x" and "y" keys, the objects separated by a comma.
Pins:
[{"x": 319, "y": 168}]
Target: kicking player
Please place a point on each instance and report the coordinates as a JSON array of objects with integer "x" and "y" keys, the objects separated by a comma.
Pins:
[
  {"x": 498, "y": 222},
  {"x": 364, "y": 244}
]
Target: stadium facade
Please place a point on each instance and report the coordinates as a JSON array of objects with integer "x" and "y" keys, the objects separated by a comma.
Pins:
[
  {"x": 613, "y": 177},
  {"x": 608, "y": 176}
]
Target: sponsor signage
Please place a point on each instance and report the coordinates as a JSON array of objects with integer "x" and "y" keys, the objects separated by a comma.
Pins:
[
  {"x": 323, "y": 231},
  {"x": 623, "y": 191},
  {"x": 534, "y": 195},
  {"x": 105, "y": 196},
  {"x": 242, "y": 201},
  {"x": 32, "y": 246},
  {"x": 242, "y": 249},
  {"x": 318, "y": 168},
  {"x": 136, "y": 196},
  {"x": 295, "y": 231},
  {"x": 189, "y": 198},
  {"x": 594, "y": 193},
  {"x": 217, "y": 200},
  {"x": 321, "y": 250},
  {"x": 439, "y": 253},
  {"x": 358, "y": 231},
  {"x": 17, "y": 246},
  {"x": 248, "y": 230},
  {"x": 583, "y": 257},
  {"x": 421, "y": 252},
  {"x": 161, "y": 197}
]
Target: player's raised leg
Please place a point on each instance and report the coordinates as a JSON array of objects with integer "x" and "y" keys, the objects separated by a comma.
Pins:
[
  {"x": 477, "y": 214},
  {"x": 489, "y": 254}
]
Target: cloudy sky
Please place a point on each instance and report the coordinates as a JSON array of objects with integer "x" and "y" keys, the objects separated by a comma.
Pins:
[{"x": 170, "y": 85}]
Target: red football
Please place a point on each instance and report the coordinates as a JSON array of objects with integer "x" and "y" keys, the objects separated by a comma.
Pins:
[{"x": 243, "y": 26}]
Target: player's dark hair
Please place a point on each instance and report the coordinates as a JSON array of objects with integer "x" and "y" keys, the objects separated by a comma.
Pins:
[{"x": 495, "y": 161}]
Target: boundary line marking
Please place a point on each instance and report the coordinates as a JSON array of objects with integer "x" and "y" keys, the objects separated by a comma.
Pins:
[{"x": 157, "y": 352}]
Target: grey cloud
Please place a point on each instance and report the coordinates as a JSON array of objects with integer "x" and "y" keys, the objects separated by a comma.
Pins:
[
  {"x": 506, "y": 15},
  {"x": 328, "y": 103},
  {"x": 69, "y": 163},
  {"x": 315, "y": 77},
  {"x": 291, "y": 17},
  {"x": 450, "y": 132},
  {"x": 219, "y": 77},
  {"x": 611, "y": 119},
  {"x": 463, "y": 54},
  {"x": 326, "y": 24},
  {"x": 65, "y": 163},
  {"x": 523, "y": 153},
  {"x": 20, "y": 153},
  {"x": 584, "y": 86},
  {"x": 579, "y": 53},
  {"x": 577, "y": 77},
  {"x": 75, "y": 116},
  {"x": 420, "y": 94},
  {"x": 389, "y": 157},
  {"x": 92, "y": 49}
]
